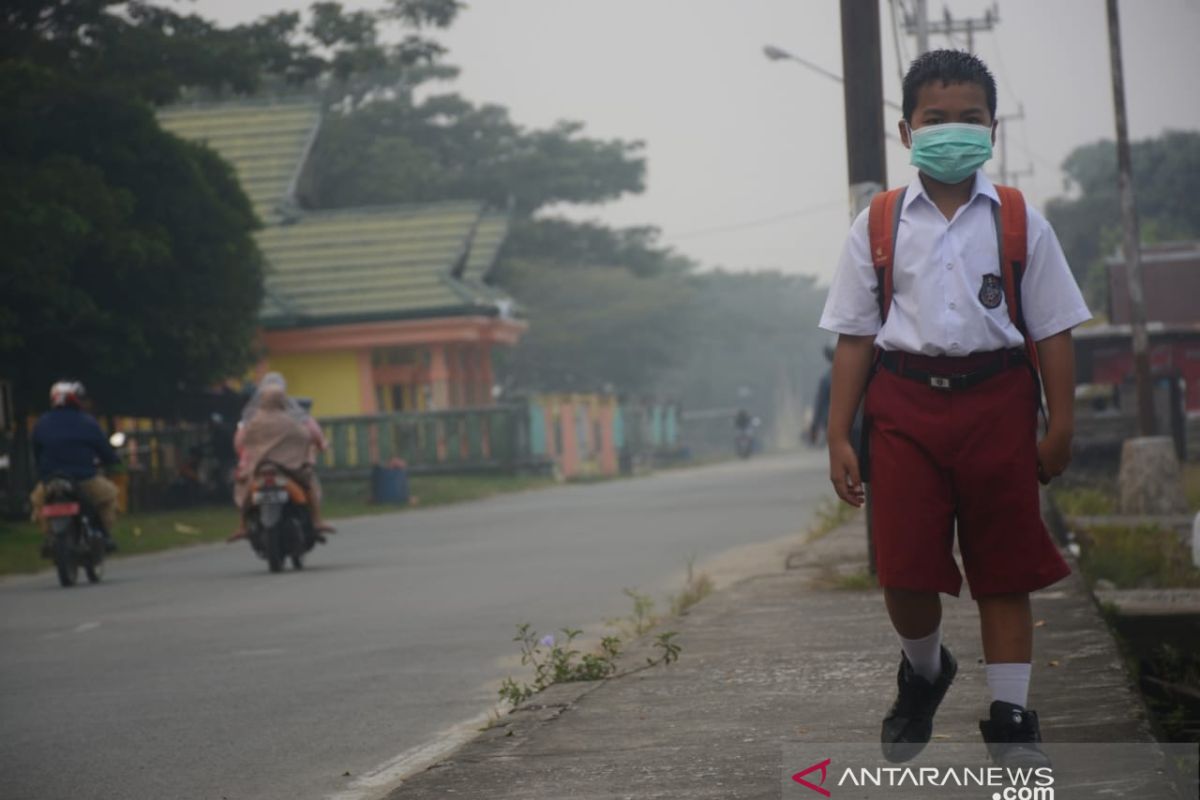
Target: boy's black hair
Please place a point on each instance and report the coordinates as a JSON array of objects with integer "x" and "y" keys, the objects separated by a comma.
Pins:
[{"x": 947, "y": 66}]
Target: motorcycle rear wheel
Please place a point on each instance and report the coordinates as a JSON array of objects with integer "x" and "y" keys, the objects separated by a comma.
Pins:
[
  {"x": 64, "y": 561},
  {"x": 274, "y": 548},
  {"x": 298, "y": 543}
]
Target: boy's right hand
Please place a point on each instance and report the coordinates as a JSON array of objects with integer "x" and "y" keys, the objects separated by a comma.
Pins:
[{"x": 844, "y": 474}]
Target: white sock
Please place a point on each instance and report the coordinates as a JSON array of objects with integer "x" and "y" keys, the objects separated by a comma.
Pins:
[
  {"x": 1009, "y": 682},
  {"x": 925, "y": 654}
]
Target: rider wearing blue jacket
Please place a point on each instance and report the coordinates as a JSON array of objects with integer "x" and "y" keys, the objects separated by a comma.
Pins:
[{"x": 68, "y": 441}]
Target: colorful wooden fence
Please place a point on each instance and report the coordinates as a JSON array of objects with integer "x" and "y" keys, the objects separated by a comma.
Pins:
[{"x": 435, "y": 441}]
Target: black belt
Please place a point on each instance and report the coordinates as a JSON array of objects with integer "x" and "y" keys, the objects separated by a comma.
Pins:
[{"x": 1001, "y": 360}]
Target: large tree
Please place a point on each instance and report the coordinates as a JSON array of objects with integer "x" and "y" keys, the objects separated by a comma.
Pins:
[
  {"x": 596, "y": 329},
  {"x": 397, "y": 150},
  {"x": 1166, "y": 170},
  {"x": 128, "y": 259},
  {"x": 156, "y": 52}
]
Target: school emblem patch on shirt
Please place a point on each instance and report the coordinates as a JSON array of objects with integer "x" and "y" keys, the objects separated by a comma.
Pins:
[{"x": 991, "y": 292}]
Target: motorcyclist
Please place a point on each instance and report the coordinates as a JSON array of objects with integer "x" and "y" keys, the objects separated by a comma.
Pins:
[
  {"x": 276, "y": 429},
  {"x": 68, "y": 441},
  {"x": 820, "y": 418},
  {"x": 746, "y": 425}
]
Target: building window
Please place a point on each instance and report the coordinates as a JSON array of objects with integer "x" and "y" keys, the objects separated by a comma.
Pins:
[
  {"x": 400, "y": 398},
  {"x": 394, "y": 356}
]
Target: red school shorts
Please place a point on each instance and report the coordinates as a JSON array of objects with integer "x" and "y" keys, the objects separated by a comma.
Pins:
[{"x": 969, "y": 456}]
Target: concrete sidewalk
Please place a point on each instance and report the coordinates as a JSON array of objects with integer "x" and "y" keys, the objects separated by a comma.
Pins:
[{"x": 775, "y": 659}]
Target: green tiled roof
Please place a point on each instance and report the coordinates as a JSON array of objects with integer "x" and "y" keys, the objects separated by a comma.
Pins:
[
  {"x": 489, "y": 235},
  {"x": 265, "y": 142},
  {"x": 353, "y": 264},
  {"x": 377, "y": 263}
]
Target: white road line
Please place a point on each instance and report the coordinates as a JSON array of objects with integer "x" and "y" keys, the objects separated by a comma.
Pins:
[
  {"x": 85, "y": 627},
  {"x": 266, "y": 651},
  {"x": 382, "y": 779}
]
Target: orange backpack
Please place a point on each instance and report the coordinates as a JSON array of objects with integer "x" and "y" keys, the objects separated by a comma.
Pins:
[{"x": 884, "y": 219}]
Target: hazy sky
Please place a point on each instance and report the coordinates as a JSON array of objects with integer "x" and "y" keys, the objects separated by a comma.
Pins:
[{"x": 746, "y": 157}]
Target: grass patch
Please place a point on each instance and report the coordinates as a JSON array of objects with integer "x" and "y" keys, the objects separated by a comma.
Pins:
[
  {"x": 860, "y": 581},
  {"x": 136, "y": 534},
  {"x": 1085, "y": 501},
  {"x": 155, "y": 531},
  {"x": 1191, "y": 484},
  {"x": 829, "y": 516},
  {"x": 1142, "y": 557},
  {"x": 639, "y": 621},
  {"x": 830, "y": 577},
  {"x": 695, "y": 589}
]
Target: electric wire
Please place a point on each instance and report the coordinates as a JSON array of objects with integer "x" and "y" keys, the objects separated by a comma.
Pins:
[{"x": 756, "y": 223}]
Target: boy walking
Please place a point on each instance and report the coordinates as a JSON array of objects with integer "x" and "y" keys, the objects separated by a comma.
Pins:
[{"x": 946, "y": 299}]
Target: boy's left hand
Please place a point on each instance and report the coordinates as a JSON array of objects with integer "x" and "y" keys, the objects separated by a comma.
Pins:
[{"x": 1054, "y": 454}]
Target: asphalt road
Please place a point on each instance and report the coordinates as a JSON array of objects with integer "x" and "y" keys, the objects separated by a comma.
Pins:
[{"x": 196, "y": 674}]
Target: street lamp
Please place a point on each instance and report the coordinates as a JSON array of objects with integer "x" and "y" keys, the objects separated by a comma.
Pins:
[{"x": 774, "y": 53}]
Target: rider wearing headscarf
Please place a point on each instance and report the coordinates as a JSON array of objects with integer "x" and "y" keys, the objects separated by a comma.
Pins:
[{"x": 275, "y": 428}]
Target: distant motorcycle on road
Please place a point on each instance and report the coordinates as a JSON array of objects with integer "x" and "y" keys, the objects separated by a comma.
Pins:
[
  {"x": 746, "y": 442},
  {"x": 279, "y": 522},
  {"x": 75, "y": 538}
]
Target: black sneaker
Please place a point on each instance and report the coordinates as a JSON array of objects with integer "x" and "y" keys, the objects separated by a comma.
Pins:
[
  {"x": 1012, "y": 736},
  {"x": 909, "y": 725}
]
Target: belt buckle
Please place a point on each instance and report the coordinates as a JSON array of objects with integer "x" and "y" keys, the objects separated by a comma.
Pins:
[{"x": 939, "y": 382}]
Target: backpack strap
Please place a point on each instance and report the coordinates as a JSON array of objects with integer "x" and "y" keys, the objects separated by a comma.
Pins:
[
  {"x": 1012, "y": 244},
  {"x": 883, "y": 221}
]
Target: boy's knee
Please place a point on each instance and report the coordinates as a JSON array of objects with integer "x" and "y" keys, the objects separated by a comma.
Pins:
[{"x": 911, "y": 596}]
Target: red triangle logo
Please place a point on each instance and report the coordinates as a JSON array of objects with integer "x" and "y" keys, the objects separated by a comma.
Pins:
[{"x": 823, "y": 766}]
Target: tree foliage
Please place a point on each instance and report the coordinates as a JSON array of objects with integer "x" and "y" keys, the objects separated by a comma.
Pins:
[
  {"x": 155, "y": 52},
  {"x": 128, "y": 259},
  {"x": 572, "y": 245},
  {"x": 446, "y": 148},
  {"x": 756, "y": 331},
  {"x": 1166, "y": 170},
  {"x": 596, "y": 329}
]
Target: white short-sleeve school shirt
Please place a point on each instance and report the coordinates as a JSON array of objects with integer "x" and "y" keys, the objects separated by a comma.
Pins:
[{"x": 939, "y": 275}]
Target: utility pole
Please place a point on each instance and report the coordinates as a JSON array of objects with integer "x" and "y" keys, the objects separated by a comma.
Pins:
[
  {"x": 862, "y": 66},
  {"x": 1002, "y": 135},
  {"x": 1129, "y": 219},
  {"x": 918, "y": 24},
  {"x": 1015, "y": 174}
]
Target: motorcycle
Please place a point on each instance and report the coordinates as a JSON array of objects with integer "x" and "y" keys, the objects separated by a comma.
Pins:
[
  {"x": 746, "y": 442},
  {"x": 278, "y": 518},
  {"x": 75, "y": 537}
]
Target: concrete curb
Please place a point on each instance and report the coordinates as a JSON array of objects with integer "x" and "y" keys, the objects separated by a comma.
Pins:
[{"x": 767, "y": 661}]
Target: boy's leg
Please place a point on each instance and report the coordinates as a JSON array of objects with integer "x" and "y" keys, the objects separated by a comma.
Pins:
[
  {"x": 926, "y": 671},
  {"x": 917, "y": 618},
  {"x": 912, "y": 526},
  {"x": 1011, "y": 731},
  {"x": 1006, "y": 625},
  {"x": 1006, "y": 552}
]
